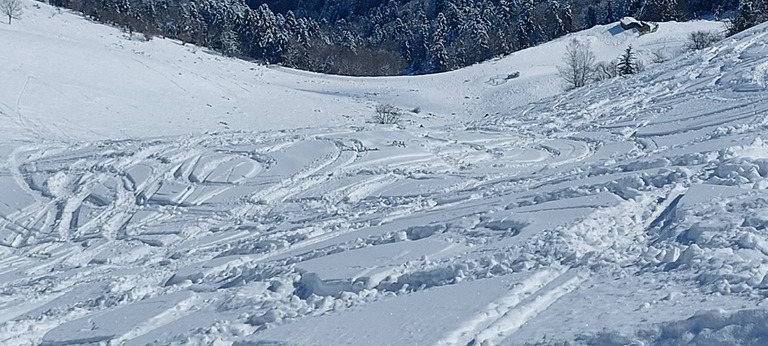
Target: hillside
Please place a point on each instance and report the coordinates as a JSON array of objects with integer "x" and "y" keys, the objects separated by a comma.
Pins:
[
  {"x": 98, "y": 84},
  {"x": 157, "y": 193},
  {"x": 393, "y": 37}
]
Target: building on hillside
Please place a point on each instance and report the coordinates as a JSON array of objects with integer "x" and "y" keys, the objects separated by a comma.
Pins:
[{"x": 628, "y": 23}]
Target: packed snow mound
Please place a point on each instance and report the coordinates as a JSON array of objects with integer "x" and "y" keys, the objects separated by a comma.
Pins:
[{"x": 609, "y": 214}]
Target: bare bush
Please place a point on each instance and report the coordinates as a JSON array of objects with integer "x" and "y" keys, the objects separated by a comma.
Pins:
[
  {"x": 579, "y": 60},
  {"x": 702, "y": 39},
  {"x": 386, "y": 114},
  {"x": 11, "y": 8},
  {"x": 659, "y": 56},
  {"x": 605, "y": 70}
]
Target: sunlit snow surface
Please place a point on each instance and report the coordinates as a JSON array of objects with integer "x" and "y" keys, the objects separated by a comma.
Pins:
[{"x": 154, "y": 193}]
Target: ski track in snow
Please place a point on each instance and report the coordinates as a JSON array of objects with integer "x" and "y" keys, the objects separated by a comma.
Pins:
[
  {"x": 192, "y": 236},
  {"x": 502, "y": 317}
]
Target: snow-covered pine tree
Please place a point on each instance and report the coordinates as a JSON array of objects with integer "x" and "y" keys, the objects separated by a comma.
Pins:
[
  {"x": 437, "y": 51},
  {"x": 421, "y": 42},
  {"x": 526, "y": 25},
  {"x": 566, "y": 15},
  {"x": 749, "y": 14},
  {"x": 627, "y": 62},
  {"x": 590, "y": 18},
  {"x": 554, "y": 25},
  {"x": 662, "y": 10},
  {"x": 478, "y": 34},
  {"x": 230, "y": 45},
  {"x": 506, "y": 26},
  {"x": 405, "y": 36},
  {"x": 609, "y": 13},
  {"x": 270, "y": 40}
]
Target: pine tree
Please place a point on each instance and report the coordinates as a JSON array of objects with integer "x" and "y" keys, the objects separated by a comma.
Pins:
[
  {"x": 748, "y": 15},
  {"x": 526, "y": 26},
  {"x": 405, "y": 35},
  {"x": 567, "y": 16},
  {"x": 506, "y": 27},
  {"x": 609, "y": 15},
  {"x": 437, "y": 51},
  {"x": 590, "y": 18},
  {"x": 661, "y": 10},
  {"x": 479, "y": 36},
  {"x": 627, "y": 64},
  {"x": 421, "y": 42},
  {"x": 230, "y": 45},
  {"x": 348, "y": 40},
  {"x": 270, "y": 40},
  {"x": 377, "y": 35},
  {"x": 554, "y": 23}
]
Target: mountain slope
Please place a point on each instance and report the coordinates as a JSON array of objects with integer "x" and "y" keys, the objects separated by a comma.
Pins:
[
  {"x": 135, "y": 210},
  {"x": 98, "y": 84}
]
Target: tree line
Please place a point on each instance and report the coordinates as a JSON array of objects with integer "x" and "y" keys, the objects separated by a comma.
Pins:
[{"x": 383, "y": 37}]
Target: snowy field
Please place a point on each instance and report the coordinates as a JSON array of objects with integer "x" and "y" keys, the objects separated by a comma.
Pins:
[{"x": 158, "y": 193}]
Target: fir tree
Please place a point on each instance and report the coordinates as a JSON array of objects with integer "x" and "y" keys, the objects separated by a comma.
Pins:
[
  {"x": 661, "y": 10},
  {"x": 749, "y": 14},
  {"x": 609, "y": 15},
  {"x": 525, "y": 24},
  {"x": 590, "y": 18},
  {"x": 437, "y": 51},
  {"x": 627, "y": 64}
]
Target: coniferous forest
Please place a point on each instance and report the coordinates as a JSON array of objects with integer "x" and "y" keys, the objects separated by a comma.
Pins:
[{"x": 381, "y": 37}]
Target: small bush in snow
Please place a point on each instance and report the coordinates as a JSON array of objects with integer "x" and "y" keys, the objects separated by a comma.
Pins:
[
  {"x": 386, "y": 114},
  {"x": 605, "y": 70},
  {"x": 702, "y": 39},
  {"x": 659, "y": 56}
]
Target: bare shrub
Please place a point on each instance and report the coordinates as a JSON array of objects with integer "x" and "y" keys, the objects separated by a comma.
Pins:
[
  {"x": 659, "y": 56},
  {"x": 605, "y": 70},
  {"x": 386, "y": 114},
  {"x": 702, "y": 39}
]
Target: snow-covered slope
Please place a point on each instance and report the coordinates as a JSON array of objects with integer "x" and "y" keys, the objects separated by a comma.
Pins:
[
  {"x": 153, "y": 193},
  {"x": 65, "y": 78}
]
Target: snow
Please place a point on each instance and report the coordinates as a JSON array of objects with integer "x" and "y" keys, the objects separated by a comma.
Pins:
[
  {"x": 159, "y": 193},
  {"x": 368, "y": 267}
]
